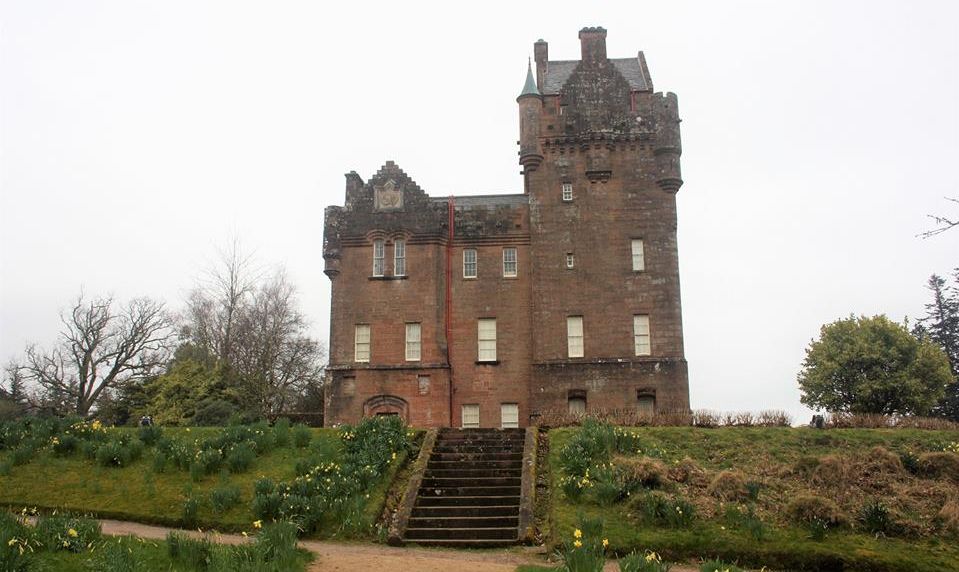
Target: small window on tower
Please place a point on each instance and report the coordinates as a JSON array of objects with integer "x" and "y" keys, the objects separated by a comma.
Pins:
[
  {"x": 570, "y": 260},
  {"x": 567, "y": 192}
]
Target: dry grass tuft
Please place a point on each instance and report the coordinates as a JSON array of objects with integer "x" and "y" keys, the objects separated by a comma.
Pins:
[
  {"x": 649, "y": 473},
  {"x": 948, "y": 518},
  {"x": 808, "y": 508},
  {"x": 729, "y": 486},
  {"x": 831, "y": 471},
  {"x": 941, "y": 465},
  {"x": 880, "y": 460}
]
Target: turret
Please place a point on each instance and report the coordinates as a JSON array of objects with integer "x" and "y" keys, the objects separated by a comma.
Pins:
[
  {"x": 668, "y": 147},
  {"x": 530, "y": 108}
]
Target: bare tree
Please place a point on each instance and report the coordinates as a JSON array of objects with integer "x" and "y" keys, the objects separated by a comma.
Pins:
[
  {"x": 942, "y": 223},
  {"x": 98, "y": 348}
]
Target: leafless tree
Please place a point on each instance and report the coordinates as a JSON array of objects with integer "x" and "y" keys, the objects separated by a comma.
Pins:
[
  {"x": 942, "y": 223},
  {"x": 98, "y": 348}
]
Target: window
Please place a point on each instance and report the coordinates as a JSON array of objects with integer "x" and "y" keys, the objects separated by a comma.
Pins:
[
  {"x": 509, "y": 262},
  {"x": 570, "y": 260},
  {"x": 574, "y": 335},
  {"x": 471, "y": 418},
  {"x": 486, "y": 334},
  {"x": 639, "y": 256},
  {"x": 399, "y": 258},
  {"x": 378, "y": 252},
  {"x": 641, "y": 335},
  {"x": 423, "y": 383},
  {"x": 646, "y": 404},
  {"x": 361, "y": 346},
  {"x": 412, "y": 342},
  {"x": 509, "y": 415},
  {"x": 577, "y": 405},
  {"x": 469, "y": 263},
  {"x": 567, "y": 192}
]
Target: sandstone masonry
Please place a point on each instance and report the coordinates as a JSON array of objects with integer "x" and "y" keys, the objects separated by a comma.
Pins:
[{"x": 488, "y": 310}]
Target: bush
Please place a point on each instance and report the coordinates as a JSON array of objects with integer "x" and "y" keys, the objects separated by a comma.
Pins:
[
  {"x": 69, "y": 533},
  {"x": 213, "y": 412},
  {"x": 648, "y": 562},
  {"x": 150, "y": 434},
  {"x": 64, "y": 445},
  {"x": 658, "y": 508},
  {"x": 810, "y": 509},
  {"x": 301, "y": 435},
  {"x": 281, "y": 432},
  {"x": 191, "y": 506},
  {"x": 729, "y": 486},
  {"x": 240, "y": 457},
  {"x": 206, "y": 462},
  {"x": 224, "y": 497},
  {"x": 941, "y": 465},
  {"x": 119, "y": 452},
  {"x": 706, "y": 419}
]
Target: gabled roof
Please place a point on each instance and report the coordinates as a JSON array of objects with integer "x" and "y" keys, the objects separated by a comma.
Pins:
[{"x": 558, "y": 73}]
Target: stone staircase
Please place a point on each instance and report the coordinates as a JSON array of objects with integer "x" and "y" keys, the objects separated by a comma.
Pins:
[{"x": 470, "y": 492}]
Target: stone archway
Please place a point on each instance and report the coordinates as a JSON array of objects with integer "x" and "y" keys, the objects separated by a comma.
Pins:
[{"x": 386, "y": 405}]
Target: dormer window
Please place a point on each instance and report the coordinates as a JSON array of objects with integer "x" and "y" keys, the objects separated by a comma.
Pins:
[{"x": 567, "y": 192}]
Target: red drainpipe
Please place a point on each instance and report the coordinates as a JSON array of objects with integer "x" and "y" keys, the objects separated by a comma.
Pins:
[{"x": 449, "y": 302}]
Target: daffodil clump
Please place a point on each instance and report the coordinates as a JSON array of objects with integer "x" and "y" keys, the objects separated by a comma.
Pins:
[
  {"x": 648, "y": 561},
  {"x": 585, "y": 549},
  {"x": 334, "y": 492}
]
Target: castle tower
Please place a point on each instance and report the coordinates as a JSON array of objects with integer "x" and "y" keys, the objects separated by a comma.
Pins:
[{"x": 601, "y": 168}]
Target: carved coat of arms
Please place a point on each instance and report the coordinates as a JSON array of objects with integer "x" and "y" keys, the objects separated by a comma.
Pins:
[{"x": 387, "y": 196}]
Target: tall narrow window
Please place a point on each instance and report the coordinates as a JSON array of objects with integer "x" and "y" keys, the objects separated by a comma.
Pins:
[
  {"x": 646, "y": 403},
  {"x": 574, "y": 336},
  {"x": 567, "y": 192},
  {"x": 509, "y": 262},
  {"x": 399, "y": 257},
  {"x": 570, "y": 260},
  {"x": 469, "y": 263},
  {"x": 509, "y": 415},
  {"x": 361, "y": 343},
  {"x": 486, "y": 334},
  {"x": 639, "y": 255},
  {"x": 471, "y": 416},
  {"x": 641, "y": 335},
  {"x": 378, "y": 254},
  {"x": 576, "y": 405},
  {"x": 412, "y": 342}
]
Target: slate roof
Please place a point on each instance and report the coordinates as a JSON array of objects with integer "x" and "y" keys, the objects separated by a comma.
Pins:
[{"x": 558, "y": 73}]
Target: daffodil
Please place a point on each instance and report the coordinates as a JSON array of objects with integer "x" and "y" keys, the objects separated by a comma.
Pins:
[
  {"x": 72, "y": 533},
  {"x": 577, "y": 533},
  {"x": 605, "y": 542},
  {"x": 577, "y": 544},
  {"x": 257, "y": 524}
]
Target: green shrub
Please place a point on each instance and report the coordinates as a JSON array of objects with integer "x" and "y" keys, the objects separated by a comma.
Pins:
[
  {"x": 301, "y": 435},
  {"x": 64, "y": 445},
  {"x": 304, "y": 466},
  {"x": 119, "y": 452},
  {"x": 213, "y": 412},
  {"x": 206, "y": 462},
  {"x": 281, "y": 432},
  {"x": 224, "y": 497},
  {"x": 68, "y": 533},
  {"x": 191, "y": 506},
  {"x": 240, "y": 457},
  {"x": 648, "y": 562},
  {"x": 150, "y": 434}
]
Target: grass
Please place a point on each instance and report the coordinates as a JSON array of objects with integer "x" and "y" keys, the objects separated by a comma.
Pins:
[
  {"x": 780, "y": 461},
  {"x": 137, "y": 492}
]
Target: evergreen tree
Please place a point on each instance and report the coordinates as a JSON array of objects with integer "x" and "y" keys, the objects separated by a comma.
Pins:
[{"x": 941, "y": 326}]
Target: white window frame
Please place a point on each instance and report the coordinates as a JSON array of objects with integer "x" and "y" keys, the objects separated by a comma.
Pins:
[
  {"x": 470, "y": 265},
  {"x": 642, "y": 341},
  {"x": 570, "y": 260},
  {"x": 399, "y": 257},
  {"x": 470, "y": 416},
  {"x": 413, "y": 341},
  {"x": 567, "y": 192},
  {"x": 486, "y": 339},
  {"x": 638, "y": 250},
  {"x": 510, "y": 264},
  {"x": 362, "y": 343},
  {"x": 509, "y": 415},
  {"x": 574, "y": 337},
  {"x": 379, "y": 254}
]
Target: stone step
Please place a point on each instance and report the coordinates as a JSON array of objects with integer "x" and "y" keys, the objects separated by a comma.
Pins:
[
  {"x": 471, "y": 465},
  {"x": 473, "y": 473},
  {"x": 463, "y": 542},
  {"x": 465, "y": 450},
  {"x": 466, "y": 433},
  {"x": 492, "y": 510},
  {"x": 469, "y": 491},
  {"x": 444, "y": 482},
  {"x": 492, "y": 533},
  {"x": 465, "y": 521},
  {"x": 423, "y": 500},
  {"x": 481, "y": 438},
  {"x": 472, "y": 457}
]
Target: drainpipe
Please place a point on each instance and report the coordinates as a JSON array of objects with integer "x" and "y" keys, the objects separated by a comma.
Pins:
[{"x": 449, "y": 302}]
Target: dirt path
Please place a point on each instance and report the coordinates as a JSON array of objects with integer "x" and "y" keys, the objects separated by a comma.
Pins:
[{"x": 349, "y": 557}]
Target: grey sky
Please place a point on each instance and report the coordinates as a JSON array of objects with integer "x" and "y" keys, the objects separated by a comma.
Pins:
[{"x": 135, "y": 136}]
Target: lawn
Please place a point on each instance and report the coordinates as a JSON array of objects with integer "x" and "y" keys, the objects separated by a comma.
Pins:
[
  {"x": 145, "y": 490},
  {"x": 676, "y": 503}
]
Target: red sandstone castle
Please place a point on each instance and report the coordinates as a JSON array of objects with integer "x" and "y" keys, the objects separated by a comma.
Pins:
[{"x": 485, "y": 311}]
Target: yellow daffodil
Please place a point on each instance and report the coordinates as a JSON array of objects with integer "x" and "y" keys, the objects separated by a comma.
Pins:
[
  {"x": 577, "y": 544},
  {"x": 257, "y": 524},
  {"x": 72, "y": 533},
  {"x": 12, "y": 542},
  {"x": 577, "y": 533},
  {"x": 605, "y": 542}
]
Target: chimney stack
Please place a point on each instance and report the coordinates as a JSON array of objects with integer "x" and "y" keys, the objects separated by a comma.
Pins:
[
  {"x": 593, "y": 42},
  {"x": 541, "y": 55}
]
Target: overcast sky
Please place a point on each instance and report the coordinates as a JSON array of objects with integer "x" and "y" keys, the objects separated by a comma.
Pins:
[{"x": 136, "y": 136}]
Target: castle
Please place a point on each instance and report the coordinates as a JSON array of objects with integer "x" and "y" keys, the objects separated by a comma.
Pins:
[{"x": 486, "y": 311}]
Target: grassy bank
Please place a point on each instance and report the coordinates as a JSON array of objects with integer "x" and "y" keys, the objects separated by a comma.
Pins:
[
  {"x": 843, "y": 499},
  {"x": 154, "y": 487}
]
